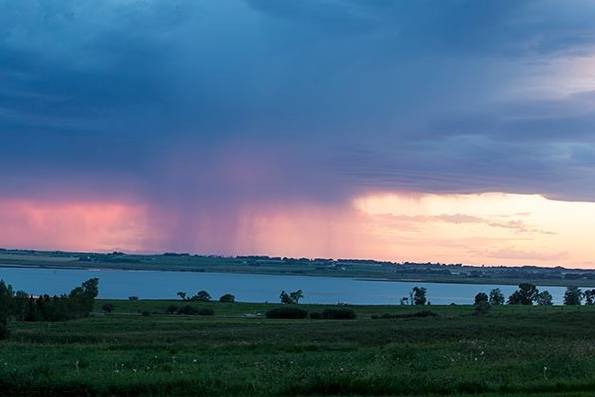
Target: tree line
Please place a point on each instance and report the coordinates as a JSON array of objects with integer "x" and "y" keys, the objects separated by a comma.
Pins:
[
  {"x": 526, "y": 294},
  {"x": 22, "y": 306}
]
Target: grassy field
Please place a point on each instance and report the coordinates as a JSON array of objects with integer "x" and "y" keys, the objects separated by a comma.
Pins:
[{"x": 513, "y": 351}]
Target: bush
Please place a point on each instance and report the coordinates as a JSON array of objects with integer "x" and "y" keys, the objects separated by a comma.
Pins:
[
  {"x": 4, "y": 332},
  {"x": 146, "y": 313},
  {"x": 315, "y": 315},
  {"x": 188, "y": 310},
  {"x": 286, "y": 312},
  {"x": 171, "y": 309},
  {"x": 205, "y": 312},
  {"x": 420, "y": 314},
  {"x": 334, "y": 314},
  {"x": 108, "y": 308},
  {"x": 482, "y": 308}
]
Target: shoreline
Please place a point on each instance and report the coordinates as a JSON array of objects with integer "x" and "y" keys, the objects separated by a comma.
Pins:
[{"x": 357, "y": 277}]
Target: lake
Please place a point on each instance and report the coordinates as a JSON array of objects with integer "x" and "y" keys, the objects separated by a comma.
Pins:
[{"x": 120, "y": 284}]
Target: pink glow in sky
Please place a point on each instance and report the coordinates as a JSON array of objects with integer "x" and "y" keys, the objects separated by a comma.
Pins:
[{"x": 490, "y": 228}]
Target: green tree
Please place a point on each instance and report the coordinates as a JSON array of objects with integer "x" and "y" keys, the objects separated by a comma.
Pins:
[
  {"x": 108, "y": 308},
  {"x": 589, "y": 296},
  {"x": 419, "y": 295},
  {"x": 296, "y": 295},
  {"x": 525, "y": 295},
  {"x": 481, "y": 297},
  {"x": 227, "y": 298},
  {"x": 285, "y": 298},
  {"x": 544, "y": 298},
  {"x": 573, "y": 296},
  {"x": 202, "y": 296},
  {"x": 496, "y": 297},
  {"x": 6, "y": 303}
]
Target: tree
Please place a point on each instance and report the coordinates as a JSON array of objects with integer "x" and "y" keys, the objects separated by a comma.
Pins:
[
  {"x": 525, "y": 295},
  {"x": 6, "y": 298},
  {"x": 296, "y": 296},
  {"x": 202, "y": 296},
  {"x": 291, "y": 298},
  {"x": 227, "y": 298},
  {"x": 82, "y": 299},
  {"x": 481, "y": 297},
  {"x": 573, "y": 296},
  {"x": 182, "y": 295},
  {"x": 133, "y": 298},
  {"x": 285, "y": 298},
  {"x": 544, "y": 298},
  {"x": 419, "y": 295},
  {"x": 496, "y": 297},
  {"x": 589, "y": 296},
  {"x": 108, "y": 308}
]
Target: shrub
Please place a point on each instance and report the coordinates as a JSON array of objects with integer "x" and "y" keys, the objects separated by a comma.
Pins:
[
  {"x": 227, "y": 298},
  {"x": 338, "y": 314},
  {"x": 108, "y": 308},
  {"x": 420, "y": 314},
  {"x": 188, "y": 310},
  {"x": 315, "y": 315},
  {"x": 481, "y": 308},
  {"x": 205, "y": 312},
  {"x": 286, "y": 312},
  {"x": 171, "y": 309},
  {"x": 146, "y": 313},
  {"x": 4, "y": 332}
]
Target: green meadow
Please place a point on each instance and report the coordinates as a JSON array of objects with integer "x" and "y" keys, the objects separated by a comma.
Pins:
[{"x": 511, "y": 351}]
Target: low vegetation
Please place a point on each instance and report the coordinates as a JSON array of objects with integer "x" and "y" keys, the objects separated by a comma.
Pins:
[
  {"x": 514, "y": 350},
  {"x": 208, "y": 347}
]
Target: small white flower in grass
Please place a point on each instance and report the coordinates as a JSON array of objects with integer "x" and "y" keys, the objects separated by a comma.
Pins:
[{"x": 195, "y": 360}]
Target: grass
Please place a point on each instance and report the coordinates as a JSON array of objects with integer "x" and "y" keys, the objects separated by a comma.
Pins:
[{"x": 513, "y": 351}]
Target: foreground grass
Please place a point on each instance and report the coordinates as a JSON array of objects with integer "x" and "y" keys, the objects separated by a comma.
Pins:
[{"x": 514, "y": 351}]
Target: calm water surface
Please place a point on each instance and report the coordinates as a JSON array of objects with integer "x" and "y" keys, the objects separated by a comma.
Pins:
[{"x": 120, "y": 284}]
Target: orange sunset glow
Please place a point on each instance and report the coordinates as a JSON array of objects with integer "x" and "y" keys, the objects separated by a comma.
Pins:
[{"x": 489, "y": 228}]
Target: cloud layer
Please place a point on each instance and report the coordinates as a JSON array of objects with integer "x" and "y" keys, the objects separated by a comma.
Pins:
[{"x": 203, "y": 111}]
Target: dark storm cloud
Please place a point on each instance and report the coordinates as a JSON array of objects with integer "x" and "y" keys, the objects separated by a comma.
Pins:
[{"x": 202, "y": 107}]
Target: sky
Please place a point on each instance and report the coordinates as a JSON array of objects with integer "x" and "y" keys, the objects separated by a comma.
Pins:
[{"x": 452, "y": 131}]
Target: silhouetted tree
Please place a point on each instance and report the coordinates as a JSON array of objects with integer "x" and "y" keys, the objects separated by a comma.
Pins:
[
  {"x": 182, "y": 295},
  {"x": 525, "y": 295},
  {"x": 285, "y": 298},
  {"x": 227, "y": 298},
  {"x": 481, "y": 297},
  {"x": 496, "y": 297},
  {"x": 5, "y": 308},
  {"x": 202, "y": 296},
  {"x": 589, "y": 296},
  {"x": 108, "y": 308},
  {"x": 544, "y": 298},
  {"x": 419, "y": 295},
  {"x": 296, "y": 295},
  {"x": 573, "y": 296}
]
